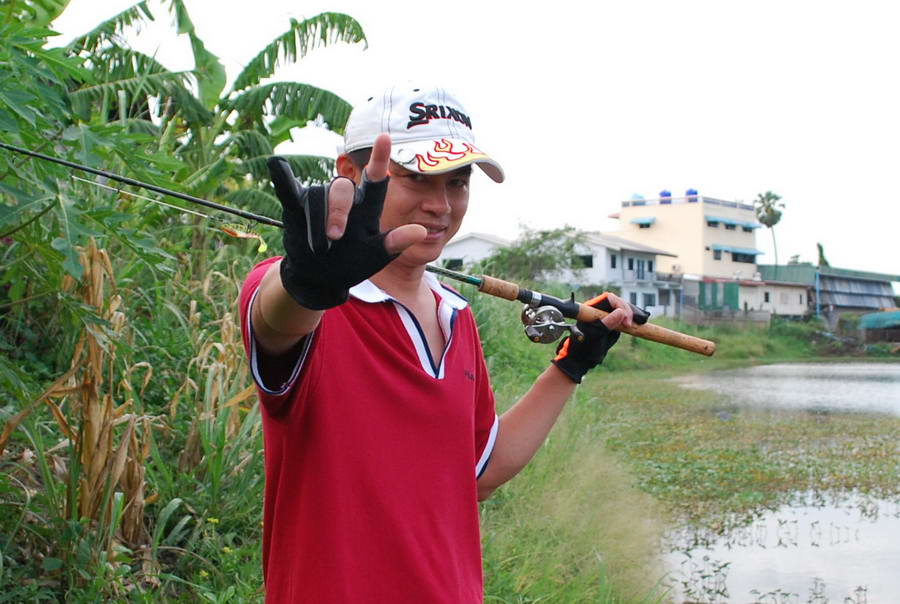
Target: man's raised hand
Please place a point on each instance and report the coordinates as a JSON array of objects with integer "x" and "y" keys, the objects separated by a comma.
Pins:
[
  {"x": 332, "y": 236},
  {"x": 341, "y": 199}
]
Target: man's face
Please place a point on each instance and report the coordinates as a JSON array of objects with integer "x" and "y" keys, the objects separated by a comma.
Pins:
[{"x": 438, "y": 202}]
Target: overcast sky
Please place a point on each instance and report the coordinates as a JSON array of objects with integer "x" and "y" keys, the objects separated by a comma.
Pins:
[{"x": 587, "y": 103}]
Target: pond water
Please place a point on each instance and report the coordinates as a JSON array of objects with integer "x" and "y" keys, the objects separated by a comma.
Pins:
[
  {"x": 865, "y": 387},
  {"x": 844, "y": 550},
  {"x": 817, "y": 551}
]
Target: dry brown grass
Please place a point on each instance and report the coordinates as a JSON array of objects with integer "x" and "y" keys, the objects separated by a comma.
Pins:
[
  {"x": 218, "y": 364},
  {"x": 93, "y": 406}
]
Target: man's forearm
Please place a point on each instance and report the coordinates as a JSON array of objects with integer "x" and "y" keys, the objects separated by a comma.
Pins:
[
  {"x": 524, "y": 427},
  {"x": 278, "y": 321}
]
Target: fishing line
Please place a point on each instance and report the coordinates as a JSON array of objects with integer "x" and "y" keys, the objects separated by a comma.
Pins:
[
  {"x": 139, "y": 196},
  {"x": 229, "y": 228}
]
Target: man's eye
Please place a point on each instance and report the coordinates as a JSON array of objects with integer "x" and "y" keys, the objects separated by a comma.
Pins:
[{"x": 460, "y": 183}]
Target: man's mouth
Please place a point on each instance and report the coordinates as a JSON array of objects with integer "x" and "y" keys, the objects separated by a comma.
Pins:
[{"x": 434, "y": 229}]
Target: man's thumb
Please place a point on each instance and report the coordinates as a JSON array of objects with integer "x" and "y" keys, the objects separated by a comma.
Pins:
[{"x": 404, "y": 236}]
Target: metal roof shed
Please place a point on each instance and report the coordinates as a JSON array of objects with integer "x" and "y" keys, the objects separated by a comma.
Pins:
[{"x": 880, "y": 320}]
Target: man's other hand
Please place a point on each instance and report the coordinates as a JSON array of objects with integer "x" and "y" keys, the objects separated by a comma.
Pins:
[{"x": 575, "y": 358}]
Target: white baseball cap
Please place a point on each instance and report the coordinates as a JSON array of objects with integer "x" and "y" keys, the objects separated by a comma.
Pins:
[{"x": 431, "y": 132}]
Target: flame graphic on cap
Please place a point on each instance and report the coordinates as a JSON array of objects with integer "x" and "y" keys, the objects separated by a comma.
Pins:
[{"x": 446, "y": 157}]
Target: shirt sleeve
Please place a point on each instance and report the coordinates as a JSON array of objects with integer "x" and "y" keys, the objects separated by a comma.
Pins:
[
  {"x": 487, "y": 424},
  {"x": 273, "y": 396}
]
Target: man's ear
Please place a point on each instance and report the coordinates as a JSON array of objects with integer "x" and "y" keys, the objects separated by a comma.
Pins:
[{"x": 346, "y": 167}]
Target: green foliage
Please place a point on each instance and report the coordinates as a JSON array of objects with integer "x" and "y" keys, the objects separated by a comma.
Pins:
[
  {"x": 221, "y": 137},
  {"x": 302, "y": 37},
  {"x": 100, "y": 103},
  {"x": 822, "y": 260},
  {"x": 35, "y": 13},
  {"x": 109, "y": 32},
  {"x": 768, "y": 207}
]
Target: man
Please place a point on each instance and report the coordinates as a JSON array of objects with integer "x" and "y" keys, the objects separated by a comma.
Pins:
[{"x": 379, "y": 422}]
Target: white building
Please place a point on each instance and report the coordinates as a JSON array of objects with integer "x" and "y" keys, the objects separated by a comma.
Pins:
[
  {"x": 608, "y": 261},
  {"x": 469, "y": 248},
  {"x": 613, "y": 261}
]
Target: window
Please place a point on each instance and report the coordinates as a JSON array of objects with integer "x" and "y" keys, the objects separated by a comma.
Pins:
[
  {"x": 644, "y": 225},
  {"x": 639, "y": 270},
  {"x": 748, "y": 258},
  {"x": 632, "y": 297},
  {"x": 717, "y": 254},
  {"x": 454, "y": 264},
  {"x": 712, "y": 223},
  {"x": 584, "y": 261},
  {"x": 649, "y": 300},
  {"x": 801, "y": 298},
  {"x": 649, "y": 266},
  {"x": 612, "y": 261},
  {"x": 747, "y": 229},
  {"x": 631, "y": 264},
  {"x": 730, "y": 227},
  {"x": 765, "y": 296}
]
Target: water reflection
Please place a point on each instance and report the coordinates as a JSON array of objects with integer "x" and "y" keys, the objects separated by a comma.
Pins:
[
  {"x": 817, "y": 550},
  {"x": 821, "y": 387}
]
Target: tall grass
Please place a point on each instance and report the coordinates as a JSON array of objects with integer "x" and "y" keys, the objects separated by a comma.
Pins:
[
  {"x": 91, "y": 478},
  {"x": 142, "y": 480}
]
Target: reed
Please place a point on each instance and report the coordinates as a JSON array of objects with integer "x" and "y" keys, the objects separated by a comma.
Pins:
[{"x": 102, "y": 438}]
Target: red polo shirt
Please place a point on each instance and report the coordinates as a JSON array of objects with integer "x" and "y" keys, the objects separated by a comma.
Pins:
[{"x": 372, "y": 450}]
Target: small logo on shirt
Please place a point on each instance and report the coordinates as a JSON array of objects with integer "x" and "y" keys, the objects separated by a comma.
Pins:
[{"x": 469, "y": 374}]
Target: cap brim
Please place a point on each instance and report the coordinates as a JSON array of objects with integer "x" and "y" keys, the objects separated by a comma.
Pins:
[{"x": 444, "y": 155}]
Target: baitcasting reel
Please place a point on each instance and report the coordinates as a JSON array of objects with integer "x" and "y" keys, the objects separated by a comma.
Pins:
[{"x": 544, "y": 324}]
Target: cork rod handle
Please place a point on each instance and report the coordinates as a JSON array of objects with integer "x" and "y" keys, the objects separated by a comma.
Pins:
[{"x": 655, "y": 333}]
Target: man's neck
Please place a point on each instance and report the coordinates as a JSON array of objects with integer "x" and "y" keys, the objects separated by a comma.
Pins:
[{"x": 401, "y": 281}]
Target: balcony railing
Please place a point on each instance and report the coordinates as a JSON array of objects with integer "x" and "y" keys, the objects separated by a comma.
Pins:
[
  {"x": 692, "y": 199},
  {"x": 672, "y": 277}
]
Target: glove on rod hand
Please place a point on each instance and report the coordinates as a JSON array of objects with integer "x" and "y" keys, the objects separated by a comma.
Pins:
[
  {"x": 325, "y": 256},
  {"x": 576, "y": 358}
]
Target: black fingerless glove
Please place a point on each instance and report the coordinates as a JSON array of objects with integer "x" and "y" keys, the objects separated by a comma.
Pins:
[
  {"x": 317, "y": 272},
  {"x": 575, "y": 358}
]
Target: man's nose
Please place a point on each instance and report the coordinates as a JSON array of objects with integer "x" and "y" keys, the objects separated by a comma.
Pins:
[{"x": 436, "y": 200}]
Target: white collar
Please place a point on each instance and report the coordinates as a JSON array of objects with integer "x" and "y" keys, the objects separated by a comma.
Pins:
[{"x": 371, "y": 293}]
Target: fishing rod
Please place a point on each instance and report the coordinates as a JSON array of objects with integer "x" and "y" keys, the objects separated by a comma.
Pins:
[
  {"x": 148, "y": 186},
  {"x": 542, "y": 316}
]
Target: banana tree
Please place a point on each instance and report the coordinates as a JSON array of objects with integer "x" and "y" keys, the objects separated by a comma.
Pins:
[{"x": 221, "y": 135}]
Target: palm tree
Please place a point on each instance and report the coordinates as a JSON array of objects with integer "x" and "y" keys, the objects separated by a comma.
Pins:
[{"x": 768, "y": 207}]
